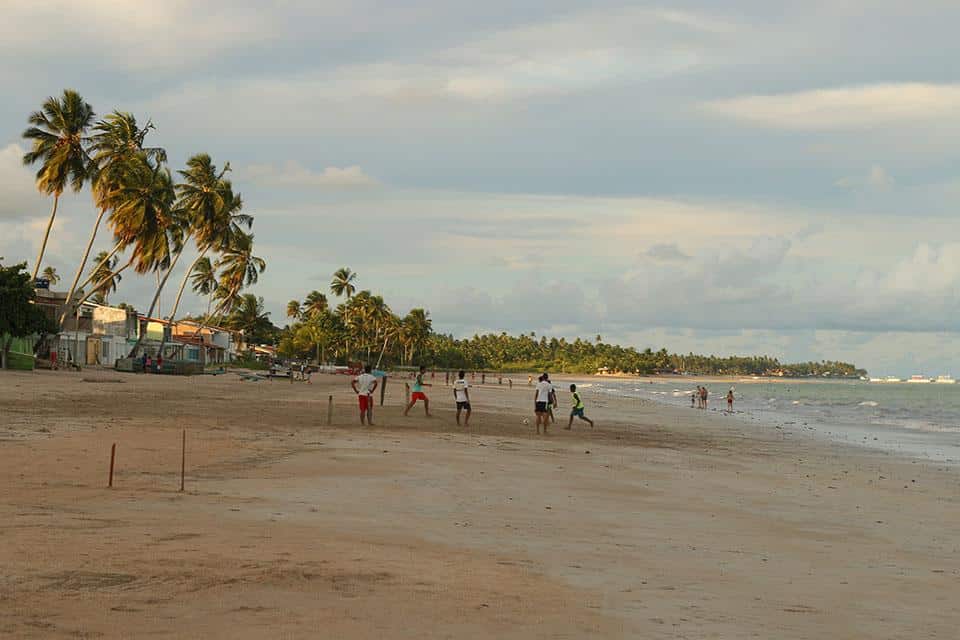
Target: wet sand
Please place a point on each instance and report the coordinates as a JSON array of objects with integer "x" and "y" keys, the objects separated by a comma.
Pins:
[{"x": 660, "y": 523}]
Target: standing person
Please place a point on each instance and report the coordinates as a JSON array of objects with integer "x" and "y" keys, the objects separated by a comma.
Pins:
[
  {"x": 364, "y": 385},
  {"x": 529, "y": 380},
  {"x": 541, "y": 397},
  {"x": 461, "y": 395},
  {"x": 730, "y": 400},
  {"x": 578, "y": 409},
  {"x": 418, "y": 394},
  {"x": 704, "y": 394},
  {"x": 694, "y": 396}
]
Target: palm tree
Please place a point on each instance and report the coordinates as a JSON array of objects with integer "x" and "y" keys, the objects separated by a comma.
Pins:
[
  {"x": 415, "y": 330},
  {"x": 58, "y": 135},
  {"x": 293, "y": 310},
  {"x": 249, "y": 315},
  {"x": 204, "y": 281},
  {"x": 211, "y": 211},
  {"x": 103, "y": 273},
  {"x": 238, "y": 268},
  {"x": 50, "y": 274},
  {"x": 117, "y": 139},
  {"x": 342, "y": 282},
  {"x": 315, "y": 303}
]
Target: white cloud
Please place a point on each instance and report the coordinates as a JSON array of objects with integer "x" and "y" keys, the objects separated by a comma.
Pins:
[
  {"x": 18, "y": 197},
  {"x": 130, "y": 35},
  {"x": 859, "y": 107},
  {"x": 876, "y": 178},
  {"x": 294, "y": 174}
]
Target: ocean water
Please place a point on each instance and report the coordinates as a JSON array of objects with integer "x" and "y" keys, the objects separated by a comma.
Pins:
[{"x": 917, "y": 420}]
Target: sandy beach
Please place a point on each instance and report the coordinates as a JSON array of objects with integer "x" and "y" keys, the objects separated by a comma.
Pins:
[{"x": 661, "y": 523}]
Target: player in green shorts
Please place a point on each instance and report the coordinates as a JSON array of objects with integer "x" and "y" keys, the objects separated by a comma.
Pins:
[{"x": 577, "y": 409}]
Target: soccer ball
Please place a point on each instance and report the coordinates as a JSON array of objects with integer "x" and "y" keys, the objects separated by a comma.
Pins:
[{"x": 526, "y": 421}]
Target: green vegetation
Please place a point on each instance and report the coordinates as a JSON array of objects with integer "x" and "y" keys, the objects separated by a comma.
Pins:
[
  {"x": 153, "y": 219},
  {"x": 19, "y": 317},
  {"x": 364, "y": 328}
]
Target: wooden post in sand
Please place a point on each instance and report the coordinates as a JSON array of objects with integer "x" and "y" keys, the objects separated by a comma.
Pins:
[
  {"x": 406, "y": 392},
  {"x": 329, "y": 411},
  {"x": 183, "y": 458},
  {"x": 113, "y": 455},
  {"x": 383, "y": 388}
]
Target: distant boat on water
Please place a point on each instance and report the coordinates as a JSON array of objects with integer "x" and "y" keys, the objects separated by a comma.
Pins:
[
  {"x": 918, "y": 379},
  {"x": 945, "y": 380},
  {"x": 891, "y": 379},
  {"x": 877, "y": 380}
]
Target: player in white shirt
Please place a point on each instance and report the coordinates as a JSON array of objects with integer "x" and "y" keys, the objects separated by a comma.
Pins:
[
  {"x": 364, "y": 385},
  {"x": 461, "y": 395},
  {"x": 542, "y": 398}
]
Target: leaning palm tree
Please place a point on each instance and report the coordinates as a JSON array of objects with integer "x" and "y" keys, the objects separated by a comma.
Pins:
[
  {"x": 342, "y": 282},
  {"x": 116, "y": 140},
  {"x": 141, "y": 217},
  {"x": 238, "y": 268},
  {"x": 204, "y": 281},
  {"x": 58, "y": 135},
  {"x": 293, "y": 309},
  {"x": 211, "y": 210},
  {"x": 315, "y": 303},
  {"x": 103, "y": 271},
  {"x": 50, "y": 274}
]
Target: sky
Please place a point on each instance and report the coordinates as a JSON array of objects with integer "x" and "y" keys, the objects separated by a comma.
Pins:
[{"x": 746, "y": 177}]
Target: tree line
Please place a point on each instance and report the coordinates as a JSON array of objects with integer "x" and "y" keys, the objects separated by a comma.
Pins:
[
  {"x": 363, "y": 327},
  {"x": 153, "y": 218}
]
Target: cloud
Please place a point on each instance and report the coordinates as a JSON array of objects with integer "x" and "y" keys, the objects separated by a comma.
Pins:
[
  {"x": 666, "y": 253},
  {"x": 860, "y": 107},
  {"x": 132, "y": 36},
  {"x": 876, "y": 178},
  {"x": 293, "y": 174},
  {"x": 18, "y": 197}
]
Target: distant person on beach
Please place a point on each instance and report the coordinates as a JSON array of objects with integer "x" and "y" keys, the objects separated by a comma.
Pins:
[
  {"x": 541, "y": 398},
  {"x": 461, "y": 395},
  {"x": 693, "y": 397},
  {"x": 730, "y": 400},
  {"x": 529, "y": 380},
  {"x": 553, "y": 398},
  {"x": 704, "y": 394},
  {"x": 418, "y": 394},
  {"x": 578, "y": 409},
  {"x": 364, "y": 385}
]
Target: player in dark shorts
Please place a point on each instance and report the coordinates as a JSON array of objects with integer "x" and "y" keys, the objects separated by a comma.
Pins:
[
  {"x": 461, "y": 396},
  {"x": 577, "y": 410}
]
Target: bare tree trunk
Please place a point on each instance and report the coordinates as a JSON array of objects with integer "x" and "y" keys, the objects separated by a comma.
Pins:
[
  {"x": 102, "y": 282},
  {"x": 153, "y": 304},
  {"x": 46, "y": 236},
  {"x": 5, "y": 352},
  {"x": 183, "y": 284},
  {"x": 83, "y": 261}
]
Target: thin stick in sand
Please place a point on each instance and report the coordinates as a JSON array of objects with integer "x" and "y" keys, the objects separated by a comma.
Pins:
[
  {"x": 383, "y": 388},
  {"x": 113, "y": 455},
  {"x": 183, "y": 458},
  {"x": 329, "y": 411}
]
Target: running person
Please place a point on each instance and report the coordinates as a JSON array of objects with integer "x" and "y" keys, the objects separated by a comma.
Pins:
[
  {"x": 364, "y": 386},
  {"x": 577, "y": 409},
  {"x": 461, "y": 395},
  {"x": 418, "y": 394}
]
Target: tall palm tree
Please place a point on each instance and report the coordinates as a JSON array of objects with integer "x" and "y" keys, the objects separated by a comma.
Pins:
[
  {"x": 211, "y": 210},
  {"x": 416, "y": 329},
  {"x": 50, "y": 274},
  {"x": 58, "y": 136},
  {"x": 141, "y": 216},
  {"x": 315, "y": 303},
  {"x": 103, "y": 272},
  {"x": 204, "y": 281},
  {"x": 249, "y": 316},
  {"x": 293, "y": 309},
  {"x": 343, "y": 282},
  {"x": 116, "y": 140}
]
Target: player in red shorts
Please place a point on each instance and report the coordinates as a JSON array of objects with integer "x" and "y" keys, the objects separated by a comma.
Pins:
[
  {"x": 418, "y": 393},
  {"x": 364, "y": 386}
]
